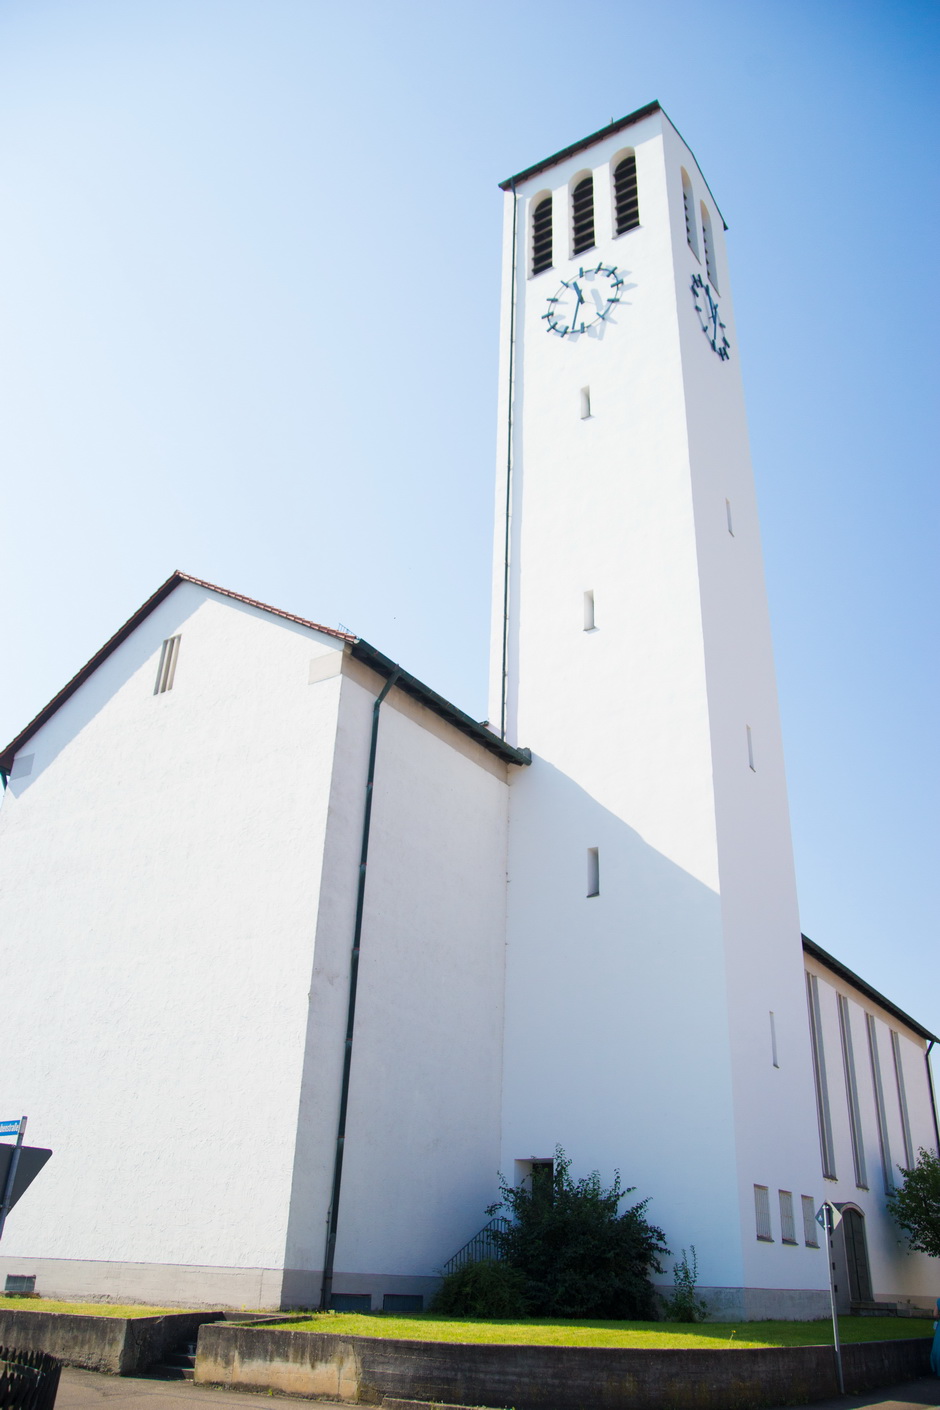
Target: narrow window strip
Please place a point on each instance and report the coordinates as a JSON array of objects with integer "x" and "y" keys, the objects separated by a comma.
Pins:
[
  {"x": 762, "y": 1213},
  {"x": 810, "y": 1227},
  {"x": 166, "y": 671},
  {"x": 902, "y": 1101},
  {"x": 626, "y": 199},
  {"x": 787, "y": 1225},
  {"x": 819, "y": 1073},
  {"x": 851, "y": 1093},
  {"x": 542, "y": 236},
  {"x": 878, "y": 1088},
  {"x": 728, "y": 517},
  {"x": 582, "y": 206},
  {"x": 593, "y": 872},
  {"x": 773, "y": 1040}
]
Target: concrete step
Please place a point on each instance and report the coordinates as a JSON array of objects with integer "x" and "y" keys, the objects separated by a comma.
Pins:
[
  {"x": 392, "y": 1404},
  {"x": 167, "y": 1372}
]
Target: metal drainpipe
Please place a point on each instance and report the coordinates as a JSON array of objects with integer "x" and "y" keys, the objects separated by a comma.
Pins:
[
  {"x": 504, "y": 679},
  {"x": 333, "y": 1218},
  {"x": 933, "y": 1096}
]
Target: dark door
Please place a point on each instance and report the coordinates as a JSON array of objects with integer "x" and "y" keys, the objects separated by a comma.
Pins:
[{"x": 856, "y": 1256}]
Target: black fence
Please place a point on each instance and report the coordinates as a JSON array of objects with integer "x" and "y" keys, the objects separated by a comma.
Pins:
[{"x": 28, "y": 1379}]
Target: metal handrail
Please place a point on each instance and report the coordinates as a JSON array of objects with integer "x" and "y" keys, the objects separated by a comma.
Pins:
[{"x": 481, "y": 1246}]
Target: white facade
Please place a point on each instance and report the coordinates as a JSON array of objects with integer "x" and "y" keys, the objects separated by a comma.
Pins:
[
  {"x": 600, "y": 950},
  {"x": 179, "y": 876}
]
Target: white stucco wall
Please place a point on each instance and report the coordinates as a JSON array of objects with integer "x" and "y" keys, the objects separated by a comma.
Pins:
[
  {"x": 654, "y": 996},
  {"x": 895, "y": 1272},
  {"x": 422, "y": 1144},
  {"x": 160, "y": 871}
]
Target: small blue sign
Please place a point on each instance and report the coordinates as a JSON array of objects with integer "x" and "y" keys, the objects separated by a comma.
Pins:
[{"x": 9, "y": 1128}]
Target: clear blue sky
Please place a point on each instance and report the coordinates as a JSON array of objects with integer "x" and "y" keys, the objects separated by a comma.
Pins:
[{"x": 249, "y": 274}]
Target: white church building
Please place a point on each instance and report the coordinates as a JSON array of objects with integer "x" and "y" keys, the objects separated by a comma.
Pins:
[{"x": 303, "y": 955}]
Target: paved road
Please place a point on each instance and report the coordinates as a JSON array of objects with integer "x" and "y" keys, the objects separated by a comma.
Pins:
[{"x": 87, "y": 1390}]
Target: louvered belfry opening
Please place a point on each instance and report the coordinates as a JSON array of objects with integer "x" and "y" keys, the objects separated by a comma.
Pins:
[
  {"x": 542, "y": 236},
  {"x": 625, "y": 195},
  {"x": 583, "y": 211}
]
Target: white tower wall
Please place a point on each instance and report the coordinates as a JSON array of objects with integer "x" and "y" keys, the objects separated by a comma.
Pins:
[{"x": 651, "y": 1000}]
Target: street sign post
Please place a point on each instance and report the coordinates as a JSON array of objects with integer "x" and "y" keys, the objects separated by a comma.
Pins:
[
  {"x": 828, "y": 1217},
  {"x": 14, "y": 1162}
]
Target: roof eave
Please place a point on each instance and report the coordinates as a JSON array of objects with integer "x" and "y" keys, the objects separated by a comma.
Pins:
[{"x": 843, "y": 971}]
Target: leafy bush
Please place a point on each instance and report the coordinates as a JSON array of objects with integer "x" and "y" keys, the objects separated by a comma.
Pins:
[
  {"x": 484, "y": 1289},
  {"x": 915, "y": 1204},
  {"x": 684, "y": 1305},
  {"x": 578, "y": 1254}
]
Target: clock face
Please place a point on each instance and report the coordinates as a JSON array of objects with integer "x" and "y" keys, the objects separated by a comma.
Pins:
[
  {"x": 706, "y": 306},
  {"x": 583, "y": 300}
]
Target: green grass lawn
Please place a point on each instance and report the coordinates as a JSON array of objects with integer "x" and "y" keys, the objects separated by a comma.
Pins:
[
  {"x": 656, "y": 1336},
  {"x": 86, "y": 1309}
]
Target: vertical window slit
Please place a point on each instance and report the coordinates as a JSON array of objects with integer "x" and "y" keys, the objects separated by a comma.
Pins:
[
  {"x": 729, "y": 518},
  {"x": 593, "y": 872},
  {"x": 879, "y": 1102},
  {"x": 542, "y": 236},
  {"x": 585, "y": 403},
  {"x": 787, "y": 1225},
  {"x": 691, "y": 233},
  {"x": 827, "y": 1150},
  {"x": 851, "y": 1093},
  {"x": 582, "y": 210},
  {"x": 902, "y": 1101},
  {"x": 773, "y": 1039},
  {"x": 166, "y": 671},
  {"x": 762, "y": 1213},
  {"x": 626, "y": 200},
  {"x": 589, "y": 623},
  {"x": 810, "y": 1227},
  {"x": 708, "y": 245},
  {"x": 750, "y": 749}
]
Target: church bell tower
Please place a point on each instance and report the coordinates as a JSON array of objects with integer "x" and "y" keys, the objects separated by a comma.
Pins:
[{"x": 656, "y": 1016}]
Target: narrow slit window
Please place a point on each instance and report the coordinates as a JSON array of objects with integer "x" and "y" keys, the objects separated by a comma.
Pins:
[
  {"x": 626, "y": 199},
  {"x": 542, "y": 236},
  {"x": 762, "y": 1213},
  {"x": 589, "y": 623},
  {"x": 750, "y": 749},
  {"x": 729, "y": 518},
  {"x": 878, "y": 1089},
  {"x": 851, "y": 1093},
  {"x": 166, "y": 671},
  {"x": 787, "y": 1225},
  {"x": 773, "y": 1039},
  {"x": 585, "y": 403},
  {"x": 826, "y": 1147},
  {"x": 593, "y": 872},
  {"x": 708, "y": 244},
  {"x": 691, "y": 233},
  {"x": 582, "y": 211},
  {"x": 810, "y": 1227},
  {"x": 902, "y": 1101}
]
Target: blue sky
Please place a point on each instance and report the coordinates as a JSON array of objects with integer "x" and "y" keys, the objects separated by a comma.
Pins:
[{"x": 249, "y": 267}]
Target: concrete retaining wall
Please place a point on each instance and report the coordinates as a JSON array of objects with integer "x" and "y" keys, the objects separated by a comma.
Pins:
[
  {"x": 119, "y": 1345},
  {"x": 363, "y": 1370}
]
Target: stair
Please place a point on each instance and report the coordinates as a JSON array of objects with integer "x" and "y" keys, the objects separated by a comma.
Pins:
[{"x": 178, "y": 1364}]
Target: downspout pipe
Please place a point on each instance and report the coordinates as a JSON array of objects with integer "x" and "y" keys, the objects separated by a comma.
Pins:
[
  {"x": 933, "y": 1095},
  {"x": 326, "y": 1290}
]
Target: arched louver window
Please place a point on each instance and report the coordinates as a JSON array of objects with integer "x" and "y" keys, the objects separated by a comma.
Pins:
[
  {"x": 691, "y": 233},
  {"x": 583, "y": 212},
  {"x": 708, "y": 244},
  {"x": 542, "y": 236},
  {"x": 626, "y": 200}
]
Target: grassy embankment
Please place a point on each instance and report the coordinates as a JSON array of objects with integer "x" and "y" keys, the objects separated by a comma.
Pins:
[
  {"x": 655, "y": 1336},
  {"x": 84, "y": 1309}
]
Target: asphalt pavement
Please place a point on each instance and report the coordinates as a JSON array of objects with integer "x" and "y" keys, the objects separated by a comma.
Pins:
[{"x": 88, "y": 1390}]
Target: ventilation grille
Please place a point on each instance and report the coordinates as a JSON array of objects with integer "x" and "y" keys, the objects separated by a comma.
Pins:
[
  {"x": 762, "y": 1213},
  {"x": 542, "y": 236},
  {"x": 583, "y": 210},
  {"x": 351, "y": 1302},
  {"x": 787, "y": 1225},
  {"x": 625, "y": 195},
  {"x": 167, "y": 668},
  {"x": 810, "y": 1227},
  {"x": 20, "y": 1283},
  {"x": 403, "y": 1302}
]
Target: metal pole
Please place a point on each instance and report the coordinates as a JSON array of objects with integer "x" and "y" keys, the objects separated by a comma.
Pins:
[
  {"x": 830, "y": 1233},
  {"x": 11, "y": 1175}
]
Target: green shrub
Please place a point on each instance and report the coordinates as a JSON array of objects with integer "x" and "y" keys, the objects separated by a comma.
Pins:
[
  {"x": 579, "y": 1255},
  {"x": 915, "y": 1204},
  {"x": 684, "y": 1305},
  {"x": 484, "y": 1289}
]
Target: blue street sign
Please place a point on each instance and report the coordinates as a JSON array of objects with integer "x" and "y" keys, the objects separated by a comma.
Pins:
[{"x": 10, "y": 1128}]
